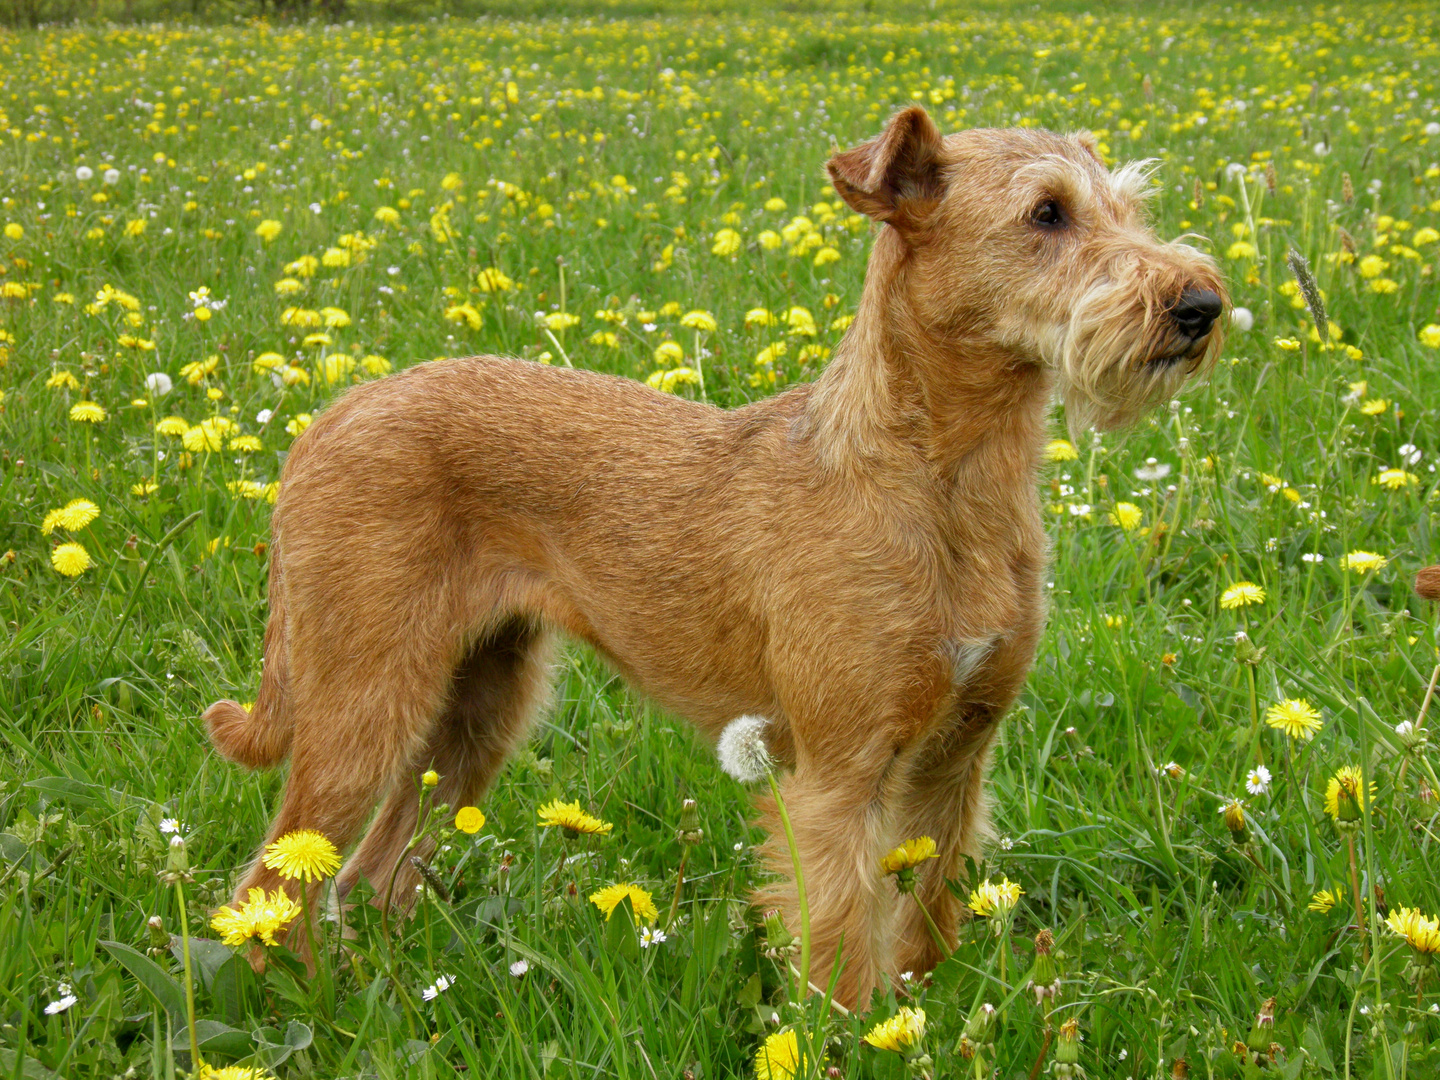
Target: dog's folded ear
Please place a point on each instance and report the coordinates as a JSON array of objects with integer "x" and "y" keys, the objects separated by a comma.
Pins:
[{"x": 894, "y": 177}]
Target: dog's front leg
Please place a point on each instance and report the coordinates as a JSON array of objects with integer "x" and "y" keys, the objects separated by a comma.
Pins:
[
  {"x": 943, "y": 799},
  {"x": 840, "y": 816}
]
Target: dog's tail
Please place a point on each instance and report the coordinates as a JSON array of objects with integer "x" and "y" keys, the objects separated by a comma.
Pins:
[{"x": 260, "y": 737}]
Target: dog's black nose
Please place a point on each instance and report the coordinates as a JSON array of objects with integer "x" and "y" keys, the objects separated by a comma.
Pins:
[{"x": 1196, "y": 311}]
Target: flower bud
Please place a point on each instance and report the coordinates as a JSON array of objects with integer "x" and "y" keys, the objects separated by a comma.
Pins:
[
  {"x": 777, "y": 936},
  {"x": 430, "y": 778},
  {"x": 1234, "y": 813},
  {"x": 689, "y": 831},
  {"x": 980, "y": 1028},
  {"x": 159, "y": 936},
  {"x": 1044, "y": 977},
  {"x": 1067, "y": 1046},
  {"x": 1262, "y": 1033},
  {"x": 178, "y": 861}
]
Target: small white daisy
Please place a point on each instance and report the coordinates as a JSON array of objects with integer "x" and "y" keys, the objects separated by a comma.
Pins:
[
  {"x": 519, "y": 968},
  {"x": 650, "y": 937},
  {"x": 1257, "y": 782}
]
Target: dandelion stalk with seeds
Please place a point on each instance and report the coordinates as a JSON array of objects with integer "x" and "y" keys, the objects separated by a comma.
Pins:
[{"x": 744, "y": 755}]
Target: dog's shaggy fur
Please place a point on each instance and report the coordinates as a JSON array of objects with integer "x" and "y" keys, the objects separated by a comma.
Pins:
[{"x": 861, "y": 560}]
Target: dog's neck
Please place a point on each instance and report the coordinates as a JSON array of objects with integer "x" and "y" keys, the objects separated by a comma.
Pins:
[{"x": 896, "y": 391}]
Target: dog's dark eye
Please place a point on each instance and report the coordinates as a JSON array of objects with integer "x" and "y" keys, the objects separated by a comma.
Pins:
[{"x": 1048, "y": 214}]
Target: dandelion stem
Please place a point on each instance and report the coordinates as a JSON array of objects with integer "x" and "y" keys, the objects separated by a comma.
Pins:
[
  {"x": 1359, "y": 908},
  {"x": 679, "y": 885},
  {"x": 195, "y": 1061},
  {"x": 800, "y": 898},
  {"x": 1419, "y": 723},
  {"x": 934, "y": 930},
  {"x": 1254, "y": 717}
]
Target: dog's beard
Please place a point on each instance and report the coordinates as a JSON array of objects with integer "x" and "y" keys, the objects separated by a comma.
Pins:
[{"x": 1121, "y": 354}]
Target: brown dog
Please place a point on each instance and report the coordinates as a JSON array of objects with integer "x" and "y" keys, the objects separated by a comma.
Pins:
[{"x": 860, "y": 560}]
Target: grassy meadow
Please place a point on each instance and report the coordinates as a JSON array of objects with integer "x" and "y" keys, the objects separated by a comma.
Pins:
[{"x": 208, "y": 232}]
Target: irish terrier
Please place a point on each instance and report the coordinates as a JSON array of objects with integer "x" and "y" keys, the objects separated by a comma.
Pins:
[{"x": 859, "y": 559}]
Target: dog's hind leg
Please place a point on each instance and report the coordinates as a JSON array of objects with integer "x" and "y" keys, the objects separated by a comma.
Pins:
[
  {"x": 495, "y": 693},
  {"x": 944, "y": 800}
]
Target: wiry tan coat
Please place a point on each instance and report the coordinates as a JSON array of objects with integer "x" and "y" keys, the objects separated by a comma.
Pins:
[{"x": 860, "y": 560}]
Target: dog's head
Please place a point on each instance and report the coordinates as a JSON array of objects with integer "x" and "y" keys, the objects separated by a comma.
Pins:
[{"x": 1022, "y": 241}]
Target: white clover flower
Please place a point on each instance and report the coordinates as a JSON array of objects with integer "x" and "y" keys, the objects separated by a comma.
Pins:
[
  {"x": 742, "y": 749},
  {"x": 264, "y": 415}
]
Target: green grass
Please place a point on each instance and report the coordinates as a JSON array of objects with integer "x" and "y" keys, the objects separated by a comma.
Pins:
[{"x": 1171, "y": 935}]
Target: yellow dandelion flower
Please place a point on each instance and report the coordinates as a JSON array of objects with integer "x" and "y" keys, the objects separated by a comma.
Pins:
[
  {"x": 87, "y": 412},
  {"x": 260, "y": 918},
  {"x": 759, "y": 316},
  {"x": 1421, "y": 933},
  {"x": 908, "y": 855},
  {"x": 62, "y": 380},
  {"x": 1296, "y": 717},
  {"x": 1372, "y": 266},
  {"x": 1323, "y": 901},
  {"x": 1393, "y": 479},
  {"x": 699, "y": 320},
  {"x": 491, "y": 280},
  {"x": 670, "y": 381},
  {"x": 901, "y": 1033},
  {"x": 572, "y": 819},
  {"x": 173, "y": 425},
  {"x": 1375, "y": 406},
  {"x": 71, "y": 559},
  {"x": 299, "y": 423},
  {"x": 1344, "y": 795},
  {"x": 1242, "y": 594},
  {"x": 1362, "y": 562},
  {"x": 376, "y": 365},
  {"x": 268, "y": 229},
  {"x": 669, "y": 353},
  {"x": 559, "y": 320},
  {"x": 72, "y": 517},
  {"x": 1060, "y": 450},
  {"x": 1127, "y": 515},
  {"x": 469, "y": 819},
  {"x": 248, "y": 444},
  {"x": 1430, "y": 335},
  {"x": 727, "y": 242},
  {"x": 991, "y": 900},
  {"x": 608, "y": 899},
  {"x": 303, "y": 853},
  {"x": 778, "y": 1057},
  {"x": 232, "y": 1072}
]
